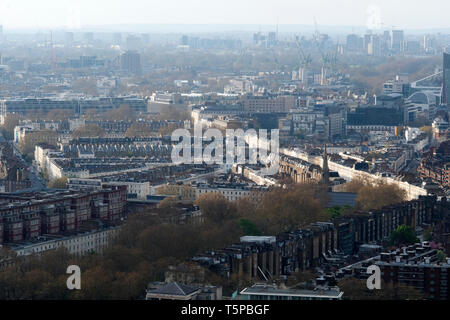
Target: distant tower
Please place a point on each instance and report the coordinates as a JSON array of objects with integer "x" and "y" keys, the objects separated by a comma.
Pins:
[
  {"x": 446, "y": 79},
  {"x": 52, "y": 52},
  {"x": 325, "y": 169}
]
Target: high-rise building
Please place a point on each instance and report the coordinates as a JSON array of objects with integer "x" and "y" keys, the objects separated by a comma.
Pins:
[
  {"x": 117, "y": 38},
  {"x": 89, "y": 37},
  {"x": 130, "y": 62},
  {"x": 375, "y": 46},
  {"x": 397, "y": 38},
  {"x": 446, "y": 78},
  {"x": 353, "y": 43},
  {"x": 412, "y": 47},
  {"x": 272, "y": 39},
  {"x": 184, "y": 40},
  {"x": 429, "y": 44},
  {"x": 367, "y": 39}
]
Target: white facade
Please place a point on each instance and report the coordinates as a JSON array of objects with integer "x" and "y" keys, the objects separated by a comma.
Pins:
[
  {"x": 412, "y": 191},
  {"x": 231, "y": 194},
  {"x": 20, "y": 131},
  {"x": 78, "y": 245},
  {"x": 141, "y": 189}
]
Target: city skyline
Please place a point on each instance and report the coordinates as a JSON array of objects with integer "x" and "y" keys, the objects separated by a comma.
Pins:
[{"x": 25, "y": 14}]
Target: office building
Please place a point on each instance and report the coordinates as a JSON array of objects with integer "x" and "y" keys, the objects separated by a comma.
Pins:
[
  {"x": 76, "y": 106},
  {"x": 130, "y": 62},
  {"x": 89, "y": 37},
  {"x": 354, "y": 43},
  {"x": 117, "y": 38},
  {"x": 374, "y": 47},
  {"x": 446, "y": 78},
  {"x": 397, "y": 38}
]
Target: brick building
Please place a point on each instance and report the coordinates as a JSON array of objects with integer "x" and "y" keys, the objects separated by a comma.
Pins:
[
  {"x": 28, "y": 216},
  {"x": 417, "y": 266},
  {"x": 267, "y": 258}
]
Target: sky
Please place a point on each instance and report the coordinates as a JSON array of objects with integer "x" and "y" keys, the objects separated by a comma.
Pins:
[{"x": 76, "y": 14}]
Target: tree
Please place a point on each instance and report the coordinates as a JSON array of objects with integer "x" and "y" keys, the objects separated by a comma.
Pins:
[
  {"x": 356, "y": 289},
  {"x": 355, "y": 185},
  {"x": 283, "y": 210},
  {"x": 59, "y": 115},
  {"x": 441, "y": 256},
  {"x": 404, "y": 236},
  {"x": 60, "y": 183},
  {"x": 123, "y": 113},
  {"x": 11, "y": 121},
  {"x": 168, "y": 203},
  {"x": 88, "y": 131},
  {"x": 138, "y": 129},
  {"x": 374, "y": 195},
  {"x": 171, "y": 113},
  {"x": 186, "y": 192},
  {"x": 91, "y": 114},
  {"x": 216, "y": 208},
  {"x": 246, "y": 208},
  {"x": 28, "y": 144},
  {"x": 340, "y": 211},
  {"x": 167, "y": 131},
  {"x": 249, "y": 228}
]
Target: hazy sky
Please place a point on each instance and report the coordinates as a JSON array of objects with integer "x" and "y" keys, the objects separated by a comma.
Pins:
[{"x": 408, "y": 14}]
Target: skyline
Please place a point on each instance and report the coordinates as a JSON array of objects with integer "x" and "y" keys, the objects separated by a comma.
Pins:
[{"x": 381, "y": 14}]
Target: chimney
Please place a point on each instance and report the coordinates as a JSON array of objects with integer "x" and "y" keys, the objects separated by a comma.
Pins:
[{"x": 427, "y": 260}]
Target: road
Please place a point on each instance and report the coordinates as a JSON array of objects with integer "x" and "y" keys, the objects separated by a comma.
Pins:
[{"x": 37, "y": 183}]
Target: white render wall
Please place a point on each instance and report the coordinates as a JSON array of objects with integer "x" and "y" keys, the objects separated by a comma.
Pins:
[{"x": 412, "y": 192}]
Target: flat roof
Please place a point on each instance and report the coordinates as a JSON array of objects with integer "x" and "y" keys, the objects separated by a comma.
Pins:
[{"x": 272, "y": 291}]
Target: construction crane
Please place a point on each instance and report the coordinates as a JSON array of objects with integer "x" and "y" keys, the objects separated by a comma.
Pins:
[
  {"x": 305, "y": 59},
  {"x": 329, "y": 60},
  {"x": 334, "y": 59}
]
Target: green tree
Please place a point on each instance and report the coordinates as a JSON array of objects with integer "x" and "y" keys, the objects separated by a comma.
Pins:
[
  {"x": 441, "y": 256},
  {"x": 60, "y": 183},
  {"x": 404, "y": 235},
  {"x": 249, "y": 228}
]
